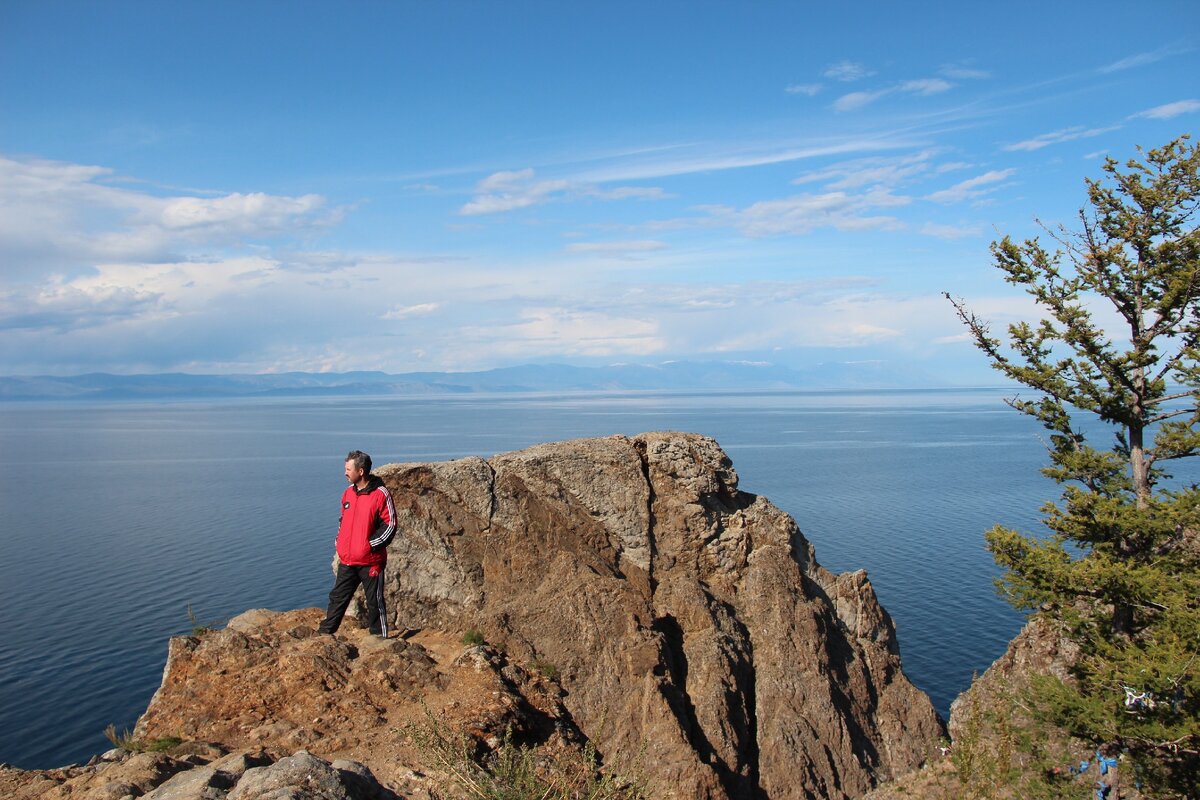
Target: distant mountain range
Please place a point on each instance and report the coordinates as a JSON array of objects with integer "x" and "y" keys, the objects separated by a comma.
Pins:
[{"x": 674, "y": 375}]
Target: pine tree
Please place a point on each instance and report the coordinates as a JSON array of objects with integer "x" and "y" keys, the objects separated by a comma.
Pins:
[{"x": 1120, "y": 568}]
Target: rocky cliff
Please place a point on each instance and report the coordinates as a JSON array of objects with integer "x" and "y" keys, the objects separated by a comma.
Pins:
[
  {"x": 631, "y": 595},
  {"x": 998, "y": 748}
]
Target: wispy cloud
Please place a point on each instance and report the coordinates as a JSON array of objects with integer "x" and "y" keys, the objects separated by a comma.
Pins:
[
  {"x": 872, "y": 171},
  {"x": 808, "y": 89},
  {"x": 1169, "y": 110},
  {"x": 404, "y": 312},
  {"x": 963, "y": 73},
  {"x": 842, "y": 319},
  {"x": 622, "y": 192},
  {"x": 722, "y": 156},
  {"x": 567, "y": 332},
  {"x": 1058, "y": 137},
  {"x": 951, "y": 231},
  {"x": 804, "y": 213},
  {"x": 972, "y": 188},
  {"x": 510, "y": 190},
  {"x": 926, "y": 86},
  {"x": 922, "y": 87},
  {"x": 506, "y": 191},
  {"x": 1142, "y": 59},
  {"x": 622, "y": 248},
  {"x": 856, "y": 100},
  {"x": 951, "y": 166},
  {"x": 847, "y": 71}
]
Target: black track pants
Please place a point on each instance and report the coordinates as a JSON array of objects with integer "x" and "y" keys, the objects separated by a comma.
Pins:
[{"x": 348, "y": 579}]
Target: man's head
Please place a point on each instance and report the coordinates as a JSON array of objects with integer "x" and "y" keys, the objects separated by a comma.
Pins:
[{"x": 358, "y": 466}]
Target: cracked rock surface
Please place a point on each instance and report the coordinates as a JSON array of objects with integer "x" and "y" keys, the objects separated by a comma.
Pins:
[{"x": 684, "y": 616}]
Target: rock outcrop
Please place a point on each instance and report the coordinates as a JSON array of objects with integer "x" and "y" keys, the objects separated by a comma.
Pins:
[
  {"x": 631, "y": 596},
  {"x": 682, "y": 615},
  {"x": 997, "y": 748},
  {"x": 1039, "y": 649},
  {"x": 270, "y": 680}
]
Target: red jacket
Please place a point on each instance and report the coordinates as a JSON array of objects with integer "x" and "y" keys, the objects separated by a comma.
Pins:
[{"x": 367, "y": 524}]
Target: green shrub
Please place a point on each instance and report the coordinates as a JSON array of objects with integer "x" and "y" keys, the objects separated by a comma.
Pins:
[{"x": 544, "y": 668}]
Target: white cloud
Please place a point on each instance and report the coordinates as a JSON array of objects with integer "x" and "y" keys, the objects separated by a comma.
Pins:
[
  {"x": 60, "y": 307},
  {"x": 972, "y": 188},
  {"x": 808, "y": 89},
  {"x": 964, "y": 73},
  {"x": 707, "y": 158},
  {"x": 560, "y": 331},
  {"x": 511, "y": 190},
  {"x": 1141, "y": 59},
  {"x": 926, "y": 86},
  {"x": 956, "y": 338},
  {"x": 623, "y": 192},
  {"x": 847, "y": 319},
  {"x": 1169, "y": 110},
  {"x": 505, "y": 191},
  {"x": 129, "y": 293},
  {"x": 872, "y": 171},
  {"x": 404, "y": 312},
  {"x": 65, "y": 217},
  {"x": 922, "y": 87},
  {"x": 846, "y": 71},
  {"x": 856, "y": 100},
  {"x": 864, "y": 330},
  {"x": 802, "y": 214},
  {"x": 1058, "y": 137},
  {"x": 255, "y": 213},
  {"x": 187, "y": 284},
  {"x": 639, "y": 246},
  {"x": 951, "y": 231}
]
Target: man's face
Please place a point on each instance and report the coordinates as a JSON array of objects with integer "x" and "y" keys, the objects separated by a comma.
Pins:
[{"x": 353, "y": 473}]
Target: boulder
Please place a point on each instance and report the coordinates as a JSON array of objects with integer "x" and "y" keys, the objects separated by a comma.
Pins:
[{"x": 245, "y": 775}]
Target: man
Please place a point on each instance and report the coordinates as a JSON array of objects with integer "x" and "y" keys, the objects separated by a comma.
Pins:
[{"x": 366, "y": 527}]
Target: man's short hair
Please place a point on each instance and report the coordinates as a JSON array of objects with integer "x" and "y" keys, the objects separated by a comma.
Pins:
[{"x": 360, "y": 459}]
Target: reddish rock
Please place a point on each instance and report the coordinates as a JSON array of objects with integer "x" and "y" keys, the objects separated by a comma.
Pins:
[{"x": 683, "y": 615}]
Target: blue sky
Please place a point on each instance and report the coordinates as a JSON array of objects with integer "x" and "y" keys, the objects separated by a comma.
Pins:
[{"x": 271, "y": 186}]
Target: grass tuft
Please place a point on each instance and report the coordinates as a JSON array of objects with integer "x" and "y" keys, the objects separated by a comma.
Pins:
[
  {"x": 126, "y": 741},
  {"x": 544, "y": 668},
  {"x": 516, "y": 772},
  {"x": 199, "y": 628}
]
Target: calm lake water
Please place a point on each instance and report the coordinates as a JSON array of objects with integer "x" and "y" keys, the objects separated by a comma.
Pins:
[{"x": 119, "y": 518}]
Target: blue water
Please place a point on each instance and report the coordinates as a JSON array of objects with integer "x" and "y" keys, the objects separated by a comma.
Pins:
[{"x": 118, "y": 518}]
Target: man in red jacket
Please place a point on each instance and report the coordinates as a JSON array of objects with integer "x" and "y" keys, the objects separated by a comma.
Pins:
[{"x": 367, "y": 525}]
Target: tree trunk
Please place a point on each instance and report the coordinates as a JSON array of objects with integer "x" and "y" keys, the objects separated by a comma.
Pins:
[{"x": 1137, "y": 463}]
